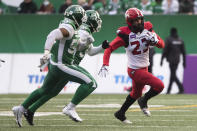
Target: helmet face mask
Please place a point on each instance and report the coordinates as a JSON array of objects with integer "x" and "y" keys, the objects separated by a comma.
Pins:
[
  {"x": 75, "y": 13},
  {"x": 135, "y": 20},
  {"x": 93, "y": 20}
]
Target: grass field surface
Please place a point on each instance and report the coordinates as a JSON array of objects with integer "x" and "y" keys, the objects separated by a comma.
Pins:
[{"x": 169, "y": 113}]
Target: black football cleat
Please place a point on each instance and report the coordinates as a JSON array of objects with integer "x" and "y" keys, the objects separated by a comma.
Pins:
[
  {"x": 121, "y": 116},
  {"x": 29, "y": 117}
]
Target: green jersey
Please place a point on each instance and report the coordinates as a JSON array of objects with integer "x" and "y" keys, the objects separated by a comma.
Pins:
[
  {"x": 63, "y": 51},
  {"x": 86, "y": 35}
]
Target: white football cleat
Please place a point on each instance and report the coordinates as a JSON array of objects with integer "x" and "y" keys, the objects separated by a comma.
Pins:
[
  {"x": 127, "y": 121},
  {"x": 146, "y": 112},
  {"x": 72, "y": 114},
  {"x": 18, "y": 112}
]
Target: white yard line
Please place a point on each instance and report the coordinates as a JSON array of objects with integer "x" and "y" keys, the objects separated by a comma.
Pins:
[
  {"x": 110, "y": 126},
  {"x": 109, "y": 106},
  {"x": 9, "y": 113},
  {"x": 95, "y": 99},
  {"x": 38, "y": 119}
]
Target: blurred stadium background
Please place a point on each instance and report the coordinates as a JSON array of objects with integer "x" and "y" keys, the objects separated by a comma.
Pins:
[{"x": 22, "y": 38}]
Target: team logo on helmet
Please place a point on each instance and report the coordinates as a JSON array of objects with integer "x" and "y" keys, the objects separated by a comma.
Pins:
[
  {"x": 93, "y": 20},
  {"x": 75, "y": 13}
]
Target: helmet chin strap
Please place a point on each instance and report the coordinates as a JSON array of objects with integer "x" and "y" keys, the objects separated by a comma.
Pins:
[
  {"x": 75, "y": 21},
  {"x": 93, "y": 27}
]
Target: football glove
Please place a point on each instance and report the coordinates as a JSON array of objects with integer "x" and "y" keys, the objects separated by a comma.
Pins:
[
  {"x": 44, "y": 61},
  {"x": 104, "y": 71},
  {"x": 152, "y": 38},
  {"x": 105, "y": 44}
]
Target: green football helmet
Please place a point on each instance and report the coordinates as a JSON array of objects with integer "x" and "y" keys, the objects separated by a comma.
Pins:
[
  {"x": 76, "y": 13},
  {"x": 93, "y": 20}
]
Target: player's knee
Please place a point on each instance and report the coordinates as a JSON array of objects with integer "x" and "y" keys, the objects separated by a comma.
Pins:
[
  {"x": 93, "y": 84},
  {"x": 159, "y": 87}
]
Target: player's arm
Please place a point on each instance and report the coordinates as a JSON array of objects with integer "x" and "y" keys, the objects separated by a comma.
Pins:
[
  {"x": 95, "y": 50},
  {"x": 64, "y": 30},
  {"x": 157, "y": 41},
  {"x": 160, "y": 43},
  {"x": 56, "y": 34},
  {"x": 115, "y": 44}
]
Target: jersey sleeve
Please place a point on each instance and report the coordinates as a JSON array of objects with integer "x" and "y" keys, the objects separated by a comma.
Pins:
[
  {"x": 161, "y": 43},
  {"x": 69, "y": 28},
  {"x": 115, "y": 44}
]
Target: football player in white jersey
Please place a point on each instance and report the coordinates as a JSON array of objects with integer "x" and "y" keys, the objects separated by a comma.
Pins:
[{"x": 136, "y": 40}]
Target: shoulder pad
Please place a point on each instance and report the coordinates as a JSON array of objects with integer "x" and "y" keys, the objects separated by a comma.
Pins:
[
  {"x": 123, "y": 33},
  {"x": 123, "y": 30}
]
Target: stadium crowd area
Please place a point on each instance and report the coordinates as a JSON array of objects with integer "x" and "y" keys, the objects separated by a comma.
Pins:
[{"x": 110, "y": 7}]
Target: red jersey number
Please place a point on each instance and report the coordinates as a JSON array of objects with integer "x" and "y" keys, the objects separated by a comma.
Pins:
[{"x": 136, "y": 50}]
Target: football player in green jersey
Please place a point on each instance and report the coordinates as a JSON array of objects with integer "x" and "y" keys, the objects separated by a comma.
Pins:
[
  {"x": 93, "y": 24},
  {"x": 65, "y": 33},
  {"x": 63, "y": 66}
]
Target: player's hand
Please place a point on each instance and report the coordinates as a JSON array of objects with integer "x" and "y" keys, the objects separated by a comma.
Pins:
[
  {"x": 104, "y": 71},
  {"x": 152, "y": 38},
  {"x": 44, "y": 61},
  {"x": 105, "y": 44}
]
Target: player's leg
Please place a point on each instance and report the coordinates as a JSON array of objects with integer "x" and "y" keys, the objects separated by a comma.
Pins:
[
  {"x": 84, "y": 90},
  {"x": 131, "y": 98},
  {"x": 156, "y": 87},
  {"x": 34, "y": 96},
  {"x": 29, "y": 114},
  {"x": 46, "y": 97},
  {"x": 88, "y": 85}
]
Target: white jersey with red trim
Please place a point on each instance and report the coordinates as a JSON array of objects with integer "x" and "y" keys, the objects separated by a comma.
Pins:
[{"x": 138, "y": 50}]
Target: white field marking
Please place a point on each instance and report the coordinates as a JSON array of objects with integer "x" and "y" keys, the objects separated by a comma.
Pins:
[
  {"x": 38, "y": 119},
  {"x": 177, "y": 110},
  {"x": 110, "y": 126},
  {"x": 10, "y": 113},
  {"x": 94, "y": 99},
  {"x": 110, "y": 106}
]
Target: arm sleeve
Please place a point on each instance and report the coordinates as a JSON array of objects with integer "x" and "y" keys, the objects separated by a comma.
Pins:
[
  {"x": 69, "y": 28},
  {"x": 116, "y": 43},
  {"x": 52, "y": 37},
  {"x": 160, "y": 43},
  {"x": 94, "y": 50}
]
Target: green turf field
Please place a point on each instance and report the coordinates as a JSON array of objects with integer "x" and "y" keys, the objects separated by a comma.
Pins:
[{"x": 169, "y": 113}]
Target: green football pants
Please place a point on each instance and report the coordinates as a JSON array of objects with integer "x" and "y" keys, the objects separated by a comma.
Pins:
[{"x": 57, "y": 77}]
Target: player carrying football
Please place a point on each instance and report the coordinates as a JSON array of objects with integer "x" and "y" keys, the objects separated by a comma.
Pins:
[{"x": 136, "y": 39}]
